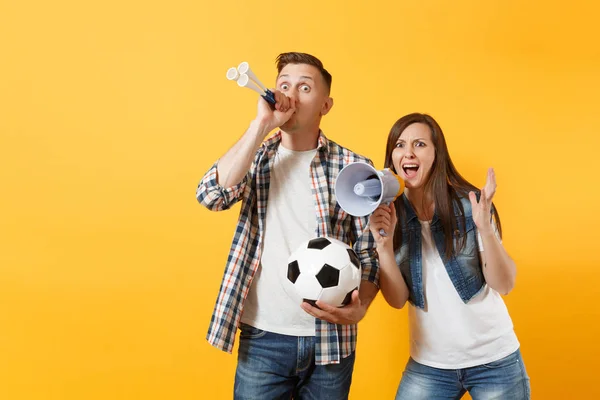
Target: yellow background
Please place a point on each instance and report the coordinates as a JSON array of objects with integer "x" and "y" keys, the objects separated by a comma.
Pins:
[{"x": 111, "y": 112}]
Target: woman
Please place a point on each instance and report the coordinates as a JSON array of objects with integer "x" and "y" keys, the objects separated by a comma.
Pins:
[{"x": 444, "y": 255}]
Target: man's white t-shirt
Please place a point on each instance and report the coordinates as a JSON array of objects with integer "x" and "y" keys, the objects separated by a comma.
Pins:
[
  {"x": 290, "y": 220},
  {"x": 450, "y": 334}
]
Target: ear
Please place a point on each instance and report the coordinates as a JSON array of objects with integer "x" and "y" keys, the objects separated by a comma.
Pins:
[{"x": 327, "y": 106}]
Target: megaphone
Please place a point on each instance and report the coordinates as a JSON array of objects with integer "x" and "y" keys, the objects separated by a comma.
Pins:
[{"x": 360, "y": 188}]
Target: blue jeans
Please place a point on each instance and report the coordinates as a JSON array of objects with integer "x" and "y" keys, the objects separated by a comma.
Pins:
[
  {"x": 502, "y": 379},
  {"x": 273, "y": 366}
]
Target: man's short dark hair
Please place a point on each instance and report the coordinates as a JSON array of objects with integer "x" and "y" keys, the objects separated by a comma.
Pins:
[{"x": 302, "y": 58}]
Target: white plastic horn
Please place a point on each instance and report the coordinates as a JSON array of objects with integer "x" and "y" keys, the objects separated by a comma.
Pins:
[
  {"x": 244, "y": 81},
  {"x": 244, "y": 68},
  {"x": 233, "y": 74}
]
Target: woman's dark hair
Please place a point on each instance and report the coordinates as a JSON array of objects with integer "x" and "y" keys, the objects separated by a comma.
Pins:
[{"x": 445, "y": 184}]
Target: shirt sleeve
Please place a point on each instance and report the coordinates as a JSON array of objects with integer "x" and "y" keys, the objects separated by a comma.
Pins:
[
  {"x": 216, "y": 197},
  {"x": 365, "y": 248}
]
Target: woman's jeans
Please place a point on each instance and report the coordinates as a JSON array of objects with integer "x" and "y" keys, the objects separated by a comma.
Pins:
[{"x": 502, "y": 379}]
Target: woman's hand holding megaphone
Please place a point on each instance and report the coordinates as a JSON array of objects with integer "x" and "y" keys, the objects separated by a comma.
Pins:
[{"x": 384, "y": 219}]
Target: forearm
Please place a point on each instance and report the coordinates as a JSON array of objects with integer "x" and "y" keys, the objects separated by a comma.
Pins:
[
  {"x": 234, "y": 164},
  {"x": 499, "y": 269},
  {"x": 391, "y": 281},
  {"x": 367, "y": 292}
]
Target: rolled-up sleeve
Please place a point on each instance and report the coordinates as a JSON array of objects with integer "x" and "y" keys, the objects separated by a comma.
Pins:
[{"x": 216, "y": 197}]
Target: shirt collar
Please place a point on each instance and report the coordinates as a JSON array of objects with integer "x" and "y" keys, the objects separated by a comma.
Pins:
[{"x": 272, "y": 143}]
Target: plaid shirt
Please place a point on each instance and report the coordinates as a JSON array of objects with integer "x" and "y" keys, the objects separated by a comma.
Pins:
[{"x": 333, "y": 342}]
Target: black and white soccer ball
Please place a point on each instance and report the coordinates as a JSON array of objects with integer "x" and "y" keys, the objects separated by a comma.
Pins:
[{"x": 324, "y": 269}]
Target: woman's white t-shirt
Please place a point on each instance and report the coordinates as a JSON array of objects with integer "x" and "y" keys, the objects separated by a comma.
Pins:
[{"x": 450, "y": 334}]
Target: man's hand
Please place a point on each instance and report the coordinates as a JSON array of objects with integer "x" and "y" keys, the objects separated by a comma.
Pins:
[
  {"x": 347, "y": 315},
  {"x": 284, "y": 109}
]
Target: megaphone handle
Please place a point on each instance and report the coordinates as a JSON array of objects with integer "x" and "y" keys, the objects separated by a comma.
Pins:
[
  {"x": 270, "y": 98},
  {"x": 381, "y": 231}
]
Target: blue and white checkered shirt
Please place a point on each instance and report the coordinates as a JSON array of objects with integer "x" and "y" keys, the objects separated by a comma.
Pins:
[{"x": 333, "y": 342}]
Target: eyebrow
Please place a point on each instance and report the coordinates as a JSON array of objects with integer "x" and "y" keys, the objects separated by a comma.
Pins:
[
  {"x": 302, "y": 77},
  {"x": 414, "y": 140}
]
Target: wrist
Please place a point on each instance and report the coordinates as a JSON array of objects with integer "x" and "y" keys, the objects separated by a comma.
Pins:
[
  {"x": 486, "y": 232},
  {"x": 386, "y": 247},
  {"x": 260, "y": 126}
]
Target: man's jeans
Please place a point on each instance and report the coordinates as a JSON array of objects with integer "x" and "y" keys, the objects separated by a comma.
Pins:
[
  {"x": 502, "y": 379},
  {"x": 273, "y": 366}
]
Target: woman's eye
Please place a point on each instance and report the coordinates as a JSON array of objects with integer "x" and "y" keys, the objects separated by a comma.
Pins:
[
  {"x": 420, "y": 144},
  {"x": 399, "y": 144}
]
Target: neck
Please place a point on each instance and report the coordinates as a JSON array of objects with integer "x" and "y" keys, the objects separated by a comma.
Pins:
[
  {"x": 300, "y": 141},
  {"x": 422, "y": 203}
]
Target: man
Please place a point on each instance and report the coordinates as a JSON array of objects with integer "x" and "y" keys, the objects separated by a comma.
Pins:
[{"x": 286, "y": 187}]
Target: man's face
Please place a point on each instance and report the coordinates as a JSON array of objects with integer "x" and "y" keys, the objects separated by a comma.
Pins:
[{"x": 305, "y": 84}]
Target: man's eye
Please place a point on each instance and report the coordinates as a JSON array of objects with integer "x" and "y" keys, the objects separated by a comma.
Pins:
[
  {"x": 305, "y": 88},
  {"x": 284, "y": 86}
]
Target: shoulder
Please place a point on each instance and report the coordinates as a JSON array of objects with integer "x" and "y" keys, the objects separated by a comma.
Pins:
[{"x": 344, "y": 155}]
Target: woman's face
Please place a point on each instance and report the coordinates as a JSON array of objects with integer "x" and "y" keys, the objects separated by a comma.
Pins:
[{"x": 414, "y": 155}]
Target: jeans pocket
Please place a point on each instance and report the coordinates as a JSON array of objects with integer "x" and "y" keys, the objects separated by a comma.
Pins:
[
  {"x": 507, "y": 361},
  {"x": 250, "y": 332}
]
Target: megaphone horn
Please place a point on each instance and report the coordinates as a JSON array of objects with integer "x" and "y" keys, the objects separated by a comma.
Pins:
[{"x": 360, "y": 189}]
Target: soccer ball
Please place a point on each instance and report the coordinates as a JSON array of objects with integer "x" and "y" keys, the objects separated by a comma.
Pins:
[{"x": 324, "y": 269}]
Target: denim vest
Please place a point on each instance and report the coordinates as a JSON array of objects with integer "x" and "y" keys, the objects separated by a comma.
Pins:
[{"x": 463, "y": 268}]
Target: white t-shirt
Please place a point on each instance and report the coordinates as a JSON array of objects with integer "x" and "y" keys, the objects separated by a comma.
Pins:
[
  {"x": 450, "y": 334},
  {"x": 290, "y": 220}
]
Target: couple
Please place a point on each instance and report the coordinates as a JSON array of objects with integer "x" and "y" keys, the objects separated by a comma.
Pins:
[{"x": 443, "y": 254}]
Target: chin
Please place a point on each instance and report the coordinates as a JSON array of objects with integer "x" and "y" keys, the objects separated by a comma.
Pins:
[
  {"x": 289, "y": 127},
  {"x": 413, "y": 185}
]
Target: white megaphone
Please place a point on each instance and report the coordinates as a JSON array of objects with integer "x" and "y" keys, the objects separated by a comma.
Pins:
[{"x": 360, "y": 189}]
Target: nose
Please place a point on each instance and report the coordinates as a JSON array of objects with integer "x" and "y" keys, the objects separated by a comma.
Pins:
[
  {"x": 292, "y": 97},
  {"x": 292, "y": 94}
]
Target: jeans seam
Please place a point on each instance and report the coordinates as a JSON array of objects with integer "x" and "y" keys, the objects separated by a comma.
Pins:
[
  {"x": 525, "y": 378},
  {"x": 298, "y": 351}
]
